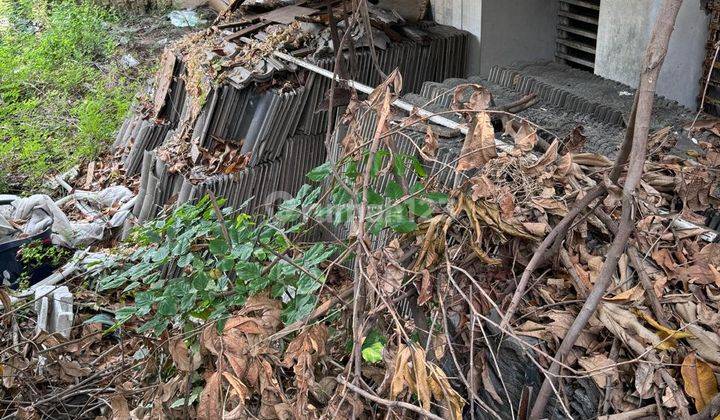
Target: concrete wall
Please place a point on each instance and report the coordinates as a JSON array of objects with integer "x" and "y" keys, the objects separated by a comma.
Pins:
[
  {"x": 507, "y": 31},
  {"x": 504, "y": 31},
  {"x": 624, "y": 31},
  {"x": 465, "y": 15},
  {"x": 517, "y": 30}
]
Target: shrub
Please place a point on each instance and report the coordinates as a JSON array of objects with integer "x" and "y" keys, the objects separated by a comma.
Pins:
[{"x": 55, "y": 105}]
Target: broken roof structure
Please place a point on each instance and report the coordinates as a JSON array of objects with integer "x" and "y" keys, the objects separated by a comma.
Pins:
[{"x": 226, "y": 111}]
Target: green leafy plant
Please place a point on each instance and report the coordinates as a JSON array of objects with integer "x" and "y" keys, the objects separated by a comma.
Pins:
[
  {"x": 217, "y": 264},
  {"x": 373, "y": 346},
  {"x": 195, "y": 264},
  {"x": 36, "y": 254},
  {"x": 391, "y": 205}
]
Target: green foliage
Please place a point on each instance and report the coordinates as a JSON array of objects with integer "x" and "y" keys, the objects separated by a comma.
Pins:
[
  {"x": 217, "y": 265},
  {"x": 216, "y": 275},
  {"x": 373, "y": 346},
  {"x": 390, "y": 206},
  {"x": 60, "y": 100},
  {"x": 35, "y": 254}
]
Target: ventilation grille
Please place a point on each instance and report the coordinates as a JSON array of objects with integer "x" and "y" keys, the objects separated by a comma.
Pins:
[{"x": 577, "y": 33}]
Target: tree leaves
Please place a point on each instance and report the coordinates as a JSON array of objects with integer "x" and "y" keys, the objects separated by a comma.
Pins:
[
  {"x": 320, "y": 173},
  {"x": 372, "y": 347},
  {"x": 599, "y": 366},
  {"x": 525, "y": 138},
  {"x": 546, "y": 159},
  {"x": 209, "y": 406},
  {"x": 120, "y": 409},
  {"x": 699, "y": 379},
  {"x": 430, "y": 146},
  {"x": 180, "y": 354},
  {"x": 427, "y": 381},
  {"x": 479, "y": 145},
  {"x": 479, "y": 100}
]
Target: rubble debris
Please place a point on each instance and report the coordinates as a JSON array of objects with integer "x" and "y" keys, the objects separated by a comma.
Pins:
[
  {"x": 257, "y": 102},
  {"x": 185, "y": 18},
  {"x": 54, "y": 308},
  {"x": 77, "y": 219},
  {"x": 129, "y": 61}
]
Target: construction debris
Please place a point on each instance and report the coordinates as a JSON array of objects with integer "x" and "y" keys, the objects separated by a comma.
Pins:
[
  {"x": 185, "y": 18},
  {"x": 435, "y": 213},
  {"x": 54, "y": 310},
  {"x": 246, "y": 106},
  {"x": 78, "y": 219}
]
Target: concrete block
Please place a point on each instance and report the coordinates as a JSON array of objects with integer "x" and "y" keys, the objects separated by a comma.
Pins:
[
  {"x": 42, "y": 307},
  {"x": 62, "y": 311},
  {"x": 54, "y": 308}
]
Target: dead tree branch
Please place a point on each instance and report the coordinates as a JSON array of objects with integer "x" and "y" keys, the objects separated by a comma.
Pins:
[
  {"x": 387, "y": 403},
  {"x": 645, "y": 96},
  {"x": 653, "y": 300}
]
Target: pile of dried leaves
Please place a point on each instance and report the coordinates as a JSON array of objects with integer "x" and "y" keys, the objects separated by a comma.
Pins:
[{"x": 429, "y": 324}]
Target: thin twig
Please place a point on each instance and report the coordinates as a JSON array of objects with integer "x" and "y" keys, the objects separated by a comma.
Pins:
[{"x": 387, "y": 403}]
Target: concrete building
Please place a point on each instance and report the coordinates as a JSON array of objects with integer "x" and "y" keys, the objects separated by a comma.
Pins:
[{"x": 607, "y": 37}]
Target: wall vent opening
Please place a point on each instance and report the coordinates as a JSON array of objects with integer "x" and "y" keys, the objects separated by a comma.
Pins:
[{"x": 577, "y": 33}]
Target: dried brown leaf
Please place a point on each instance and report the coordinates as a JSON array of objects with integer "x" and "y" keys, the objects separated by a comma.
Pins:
[
  {"x": 209, "y": 405},
  {"x": 599, "y": 366},
  {"x": 575, "y": 140},
  {"x": 393, "y": 83},
  {"x": 180, "y": 354},
  {"x": 550, "y": 205},
  {"x": 479, "y": 145},
  {"x": 482, "y": 187},
  {"x": 421, "y": 376},
  {"x": 27, "y": 413},
  {"x": 623, "y": 324},
  {"x": 479, "y": 99},
  {"x": 444, "y": 393},
  {"x": 591, "y": 159},
  {"x": 6, "y": 307},
  {"x": 237, "y": 386},
  {"x": 668, "y": 336},
  {"x": 426, "y": 288},
  {"x": 486, "y": 379},
  {"x": 644, "y": 380},
  {"x": 120, "y": 409},
  {"x": 73, "y": 369},
  {"x": 430, "y": 146},
  {"x": 699, "y": 379},
  {"x": 398, "y": 382},
  {"x": 549, "y": 157},
  {"x": 526, "y": 137},
  {"x": 537, "y": 229},
  {"x": 699, "y": 273},
  {"x": 634, "y": 294},
  {"x": 705, "y": 343}
]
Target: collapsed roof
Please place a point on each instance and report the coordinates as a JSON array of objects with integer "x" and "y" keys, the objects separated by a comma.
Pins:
[{"x": 224, "y": 110}]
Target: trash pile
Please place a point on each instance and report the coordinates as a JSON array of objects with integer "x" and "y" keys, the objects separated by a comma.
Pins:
[
  {"x": 77, "y": 220},
  {"x": 407, "y": 315}
]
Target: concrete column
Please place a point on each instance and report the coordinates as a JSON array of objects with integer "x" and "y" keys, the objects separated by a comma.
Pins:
[
  {"x": 504, "y": 31},
  {"x": 624, "y": 31},
  {"x": 462, "y": 14}
]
